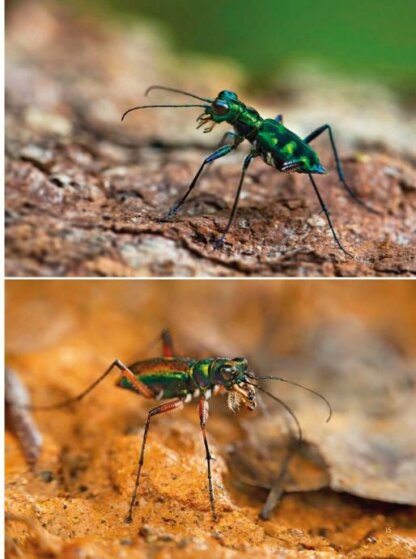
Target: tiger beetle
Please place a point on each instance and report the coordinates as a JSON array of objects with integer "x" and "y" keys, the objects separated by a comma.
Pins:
[
  {"x": 278, "y": 146},
  {"x": 179, "y": 380}
]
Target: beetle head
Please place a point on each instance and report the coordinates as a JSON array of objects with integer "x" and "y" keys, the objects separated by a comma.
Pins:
[{"x": 233, "y": 375}]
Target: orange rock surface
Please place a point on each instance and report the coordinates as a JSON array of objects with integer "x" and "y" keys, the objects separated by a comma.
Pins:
[{"x": 62, "y": 335}]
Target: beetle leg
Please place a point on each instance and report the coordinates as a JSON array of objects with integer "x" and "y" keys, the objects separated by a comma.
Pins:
[
  {"x": 168, "y": 406},
  {"x": 220, "y": 152},
  {"x": 167, "y": 344},
  {"x": 139, "y": 386},
  {"x": 230, "y": 134},
  {"x": 312, "y": 136},
  {"x": 246, "y": 163},
  {"x": 328, "y": 218},
  {"x": 203, "y": 417}
]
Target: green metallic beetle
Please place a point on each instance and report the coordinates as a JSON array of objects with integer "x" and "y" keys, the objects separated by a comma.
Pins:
[
  {"x": 181, "y": 379},
  {"x": 270, "y": 139}
]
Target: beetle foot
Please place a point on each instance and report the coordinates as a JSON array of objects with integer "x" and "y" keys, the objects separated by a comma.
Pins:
[
  {"x": 169, "y": 215},
  {"x": 219, "y": 243}
]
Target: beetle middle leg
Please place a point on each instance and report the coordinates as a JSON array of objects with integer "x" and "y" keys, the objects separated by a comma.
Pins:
[
  {"x": 312, "y": 136},
  {"x": 167, "y": 344},
  {"x": 219, "y": 243},
  {"x": 169, "y": 406},
  {"x": 220, "y": 152}
]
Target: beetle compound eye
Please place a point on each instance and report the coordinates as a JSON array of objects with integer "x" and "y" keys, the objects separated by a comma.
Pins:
[
  {"x": 227, "y": 373},
  {"x": 240, "y": 360},
  {"x": 220, "y": 108}
]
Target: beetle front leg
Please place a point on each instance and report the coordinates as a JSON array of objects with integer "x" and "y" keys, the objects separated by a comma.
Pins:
[
  {"x": 237, "y": 139},
  {"x": 221, "y": 152}
]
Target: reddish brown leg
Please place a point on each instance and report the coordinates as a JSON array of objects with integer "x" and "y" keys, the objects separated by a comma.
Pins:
[
  {"x": 139, "y": 386},
  {"x": 169, "y": 406},
  {"x": 133, "y": 380},
  {"x": 167, "y": 344},
  {"x": 203, "y": 417}
]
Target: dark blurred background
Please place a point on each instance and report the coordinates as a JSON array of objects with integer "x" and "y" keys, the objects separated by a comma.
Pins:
[{"x": 368, "y": 38}]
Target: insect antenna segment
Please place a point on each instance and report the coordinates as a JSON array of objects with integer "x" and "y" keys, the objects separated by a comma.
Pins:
[
  {"x": 164, "y": 88},
  {"x": 318, "y": 394},
  {"x": 159, "y": 106}
]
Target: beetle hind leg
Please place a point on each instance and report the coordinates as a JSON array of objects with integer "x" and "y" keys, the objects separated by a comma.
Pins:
[
  {"x": 328, "y": 218},
  {"x": 351, "y": 191}
]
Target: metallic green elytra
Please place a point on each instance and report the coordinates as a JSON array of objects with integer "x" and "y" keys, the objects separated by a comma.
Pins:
[
  {"x": 179, "y": 380},
  {"x": 278, "y": 146}
]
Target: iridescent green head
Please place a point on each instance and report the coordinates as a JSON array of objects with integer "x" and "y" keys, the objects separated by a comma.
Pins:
[
  {"x": 226, "y": 107},
  {"x": 233, "y": 375}
]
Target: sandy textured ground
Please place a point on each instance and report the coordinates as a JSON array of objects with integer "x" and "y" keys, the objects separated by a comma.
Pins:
[{"x": 335, "y": 339}]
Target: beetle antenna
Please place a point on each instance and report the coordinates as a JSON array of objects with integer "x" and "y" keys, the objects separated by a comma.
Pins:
[
  {"x": 158, "y": 106},
  {"x": 304, "y": 388},
  {"x": 286, "y": 407},
  {"x": 164, "y": 88}
]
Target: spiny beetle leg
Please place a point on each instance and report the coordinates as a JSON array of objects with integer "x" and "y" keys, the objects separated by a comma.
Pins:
[
  {"x": 220, "y": 152},
  {"x": 328, "y": 218},
  {"x": 353, "y": 194},
  {"x": 203, "y": 417},
  {"x": 164, "y": 408}
]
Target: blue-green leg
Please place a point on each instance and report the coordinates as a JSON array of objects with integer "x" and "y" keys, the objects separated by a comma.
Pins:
[
  {"x": 230, "y": 134},
  {"x": 221, "y": 152},
  {"x": 312, "y": 136}
]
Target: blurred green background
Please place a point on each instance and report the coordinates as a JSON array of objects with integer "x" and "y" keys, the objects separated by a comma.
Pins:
[{"x": 372, "y": 38}]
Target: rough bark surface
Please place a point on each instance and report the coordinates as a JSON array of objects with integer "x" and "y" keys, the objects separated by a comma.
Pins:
[{"x": 85, "y": 193}]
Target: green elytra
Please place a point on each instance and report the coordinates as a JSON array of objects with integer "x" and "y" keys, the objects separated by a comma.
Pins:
[
  {"x": 278, "y": 146},
  {"x": 181, "y": 379}
]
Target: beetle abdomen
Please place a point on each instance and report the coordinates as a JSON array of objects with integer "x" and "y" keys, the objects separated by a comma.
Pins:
[
  {"x": 283, "y": 149},
  {"x": 167, "y": 377}
]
